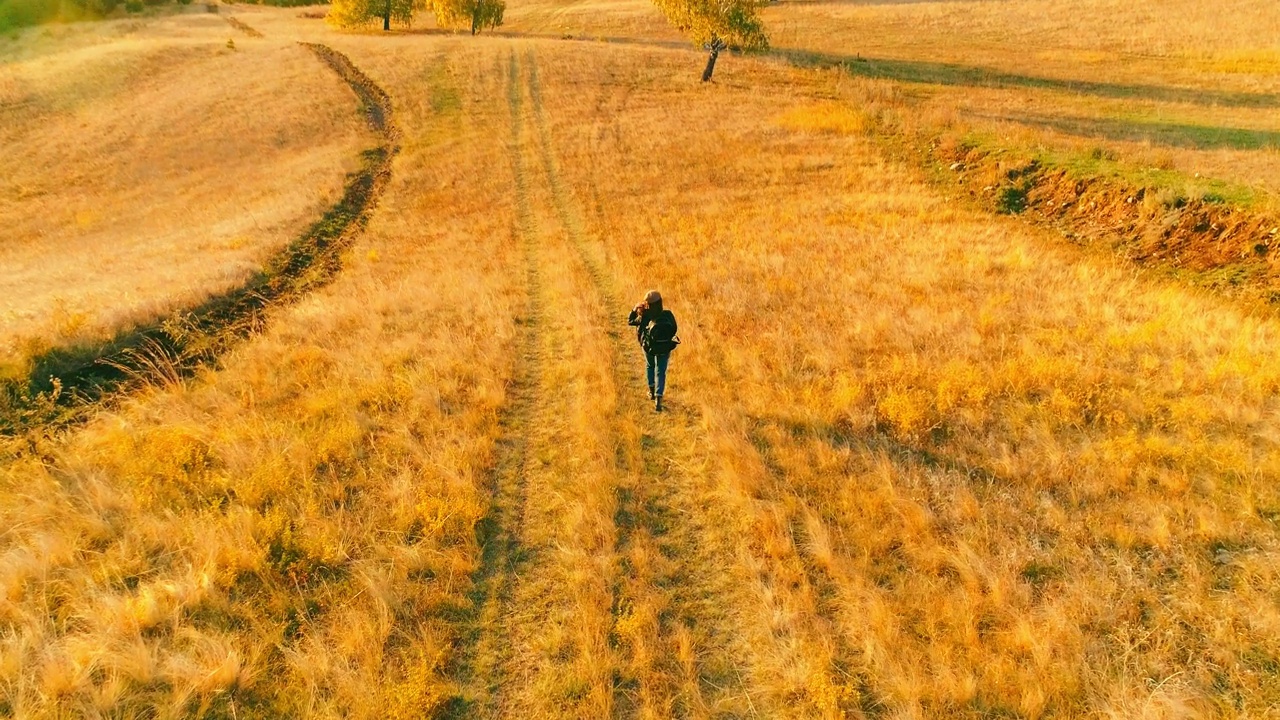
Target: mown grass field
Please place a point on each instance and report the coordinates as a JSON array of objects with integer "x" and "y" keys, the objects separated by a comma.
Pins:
[{"x": 921, "y": 460}]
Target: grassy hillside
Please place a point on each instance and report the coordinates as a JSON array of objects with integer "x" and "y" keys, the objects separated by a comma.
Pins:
[
  {"x": 149, "y": 165},
  {"x": 921, "y": 459}
]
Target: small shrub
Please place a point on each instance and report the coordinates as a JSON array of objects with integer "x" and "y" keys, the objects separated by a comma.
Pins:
[
  {"x": 133, "y": 6},
  {"x": 1012, "y": 199},
  {"x": 1101, "y": 153},
  {"x": 1165, "y": 198},
  {"x": 1164, "y": 161}
]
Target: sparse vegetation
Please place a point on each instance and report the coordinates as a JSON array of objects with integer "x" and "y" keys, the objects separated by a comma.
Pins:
[{"x": 922, "y": 460}]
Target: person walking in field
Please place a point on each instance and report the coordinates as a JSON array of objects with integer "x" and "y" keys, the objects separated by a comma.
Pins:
[{"x": 656, "y": 331}]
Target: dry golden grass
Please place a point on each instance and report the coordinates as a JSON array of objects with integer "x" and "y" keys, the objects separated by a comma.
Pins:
[
  {"x": 284, "y": 538},
  {"x": 1186, "y": 85},
  {"x": 975, "y": 472},
  {"x": 1196, "y": 94},
  {"x": 148, "y": 166},
  {"x": 920, "y": 462},
  {"x": 1048, "y": 30},
  {"x": 592, "y": 19}
]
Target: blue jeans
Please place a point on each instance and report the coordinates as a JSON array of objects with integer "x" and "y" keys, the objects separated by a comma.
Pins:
[{"x": 657, "y": 365}]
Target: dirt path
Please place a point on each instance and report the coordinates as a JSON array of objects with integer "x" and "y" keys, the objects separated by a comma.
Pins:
[
  {"x": 539, "y": 645},
  {"x": 243, "y": 27},
  {"x": 714, "y": 645},
  {"x": 598, "y": 593},
  {"x": 681, "y": 610},
  {"x": 482, "y": 667},
  {"x": 66, "y": 384}
]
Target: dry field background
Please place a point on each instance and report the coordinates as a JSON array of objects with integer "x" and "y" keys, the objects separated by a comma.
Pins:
[
  {"x": 1182, "y": 86},
  {"x": 921, "y": 461}
]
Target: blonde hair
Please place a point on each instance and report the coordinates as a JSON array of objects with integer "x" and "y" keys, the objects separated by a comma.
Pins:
[{"x": 653, "y": 296}]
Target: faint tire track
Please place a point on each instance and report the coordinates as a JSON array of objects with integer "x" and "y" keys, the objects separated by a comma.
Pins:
[
  {"x": 530, "y": 630},
  {"x": 847, "y": 668},
  {"x": 483, "y": 662}
]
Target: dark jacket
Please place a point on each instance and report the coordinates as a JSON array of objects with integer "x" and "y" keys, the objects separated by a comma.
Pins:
[{"x": 642, "y": 321}]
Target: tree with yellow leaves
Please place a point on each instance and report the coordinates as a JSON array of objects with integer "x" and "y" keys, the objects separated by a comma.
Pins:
[
  {"x": 479, "y": 14},
  {"x": 354, "y": 13},
  {"x": 717, "y": 24}
]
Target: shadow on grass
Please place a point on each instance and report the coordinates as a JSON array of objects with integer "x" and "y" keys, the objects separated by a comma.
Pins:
[
  {"x": 1199, "y": 137},
  {"x": 881, "y": 441},
  {"x": 954, "y": 74}
]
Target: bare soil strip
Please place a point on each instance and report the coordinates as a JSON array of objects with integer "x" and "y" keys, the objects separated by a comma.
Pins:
[
  {"x": 692, "y": 659},
  {"x": 243, "y": 27},
  {"x": 66, "y": 384},
  {"x": 481, "y": 667}
]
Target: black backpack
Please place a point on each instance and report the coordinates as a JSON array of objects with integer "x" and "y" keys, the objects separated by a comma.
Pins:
[{"x": 660, "y": 337}]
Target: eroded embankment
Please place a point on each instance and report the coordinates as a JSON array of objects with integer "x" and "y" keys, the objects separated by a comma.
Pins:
[
  {"x": 1232, "y": 250},
  {"x": 1195, "y": 236},
  {"x": 64, "y": 384},
  {"x": 243, "y": 27}
]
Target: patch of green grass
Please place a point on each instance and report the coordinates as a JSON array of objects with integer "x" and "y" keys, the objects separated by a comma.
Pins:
[
  {"x": 1088, "y": 165},
  {"x": 1103, "y": 163},
  {"x": 443, "y": 93},
  {"x": 16, "y": 14},
  {"x": 446, "y": 100},
  {"x": 1012, "y": 200},
  {"x": 444, "y": 97},
  {"x": 1235, "y": 276}
]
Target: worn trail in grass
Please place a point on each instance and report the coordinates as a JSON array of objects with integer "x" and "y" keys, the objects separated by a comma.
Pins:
[
  {"x": 671, "y": 631},
  {"x": 543, "y": 647},
  {"x": 687, "y": 617},
  {"x": 482, "y": 667}
]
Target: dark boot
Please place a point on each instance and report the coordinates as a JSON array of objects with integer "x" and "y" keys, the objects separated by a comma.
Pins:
[
  {"x": 657, "y": 403},
  {"x": 651, "y": 395}
]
